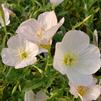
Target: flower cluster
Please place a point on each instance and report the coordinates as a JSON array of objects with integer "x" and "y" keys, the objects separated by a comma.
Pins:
[
  {"x": 78, "y": 59},
  {"x": 33, "y": 37},
  {"x": 74, "y": 56}
]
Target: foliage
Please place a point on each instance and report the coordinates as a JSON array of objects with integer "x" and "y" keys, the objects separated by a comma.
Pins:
[{"x": 83, "y": 15}]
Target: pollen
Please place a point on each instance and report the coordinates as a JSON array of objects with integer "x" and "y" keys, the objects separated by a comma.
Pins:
[
  {"x": 44, "y": 46},
  {"x": 82, "y": 90},
  {"x": 70, "y": 59},
  {"x": 23, "y": 54}
]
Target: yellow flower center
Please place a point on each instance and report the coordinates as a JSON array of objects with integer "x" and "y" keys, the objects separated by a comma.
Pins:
[
  {"x": 39, "y": 33},
  {"x": 82, "y": 90},
  {"x": 44, "y": 46},
  {"x": 23, "y": 54},
  {"x": 47, "y": 45},
  {"x": 70, "y": 59}
]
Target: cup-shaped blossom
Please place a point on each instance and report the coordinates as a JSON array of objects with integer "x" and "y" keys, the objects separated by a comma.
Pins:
[
  {"x": 39, "y": 96},
  {"x": 86, "y": 93},
  {"x": 20, "y": 52},
  {"x": 76, "y": 57},
  {"x": 56, "y": 2},
  {"x": 42, "y": 30},
  {"x": 4, "y": 15}
]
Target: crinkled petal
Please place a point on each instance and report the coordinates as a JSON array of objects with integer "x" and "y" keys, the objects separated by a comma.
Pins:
[
  {"x": 47, "y": 20},
  {"x": 9, "y": 57},
  {"x": 16, "y": 42},
  {"x": 29, "y": 96},
  {"x": 31, "y": 48},
  {"x": 41, "y": 96},
  {"x": 26, "y": 62},
  {"x": 46, "y": 41},
  {"x": 50, "y": 33},
  {"x": 30, "y": 30},
  {"x": 89, "y": 60},
  {"x": 79, "y": 79},
  {"x": 75, "y": 41},
  {"x": 58, "y": 59},
  {"x": 93, "y": 93},
  {"x": 73, "y": 89}
]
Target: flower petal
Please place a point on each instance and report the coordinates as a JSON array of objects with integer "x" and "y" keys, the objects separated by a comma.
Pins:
[
  {"x": 95, "y": 37},
  {"x": 79, "y": 79},
  {"x": 56, "y": 2},
  {"x": 29, "y": 96},
  {"x": 29, "y": 30},
  {"x": 75, "y": 41},
  {"x": 47, "y": 20},
  {"x": 58, "y": 59},
  {"x": 89, "y": 60},
  {"x": 16, "y": 42},
  {"x": 26, "y": 62},
  {"x": 6, "y": 15},
  {"x": 43, "y": 50},
  {"x": 73, "y": 89},
  {"x": 41, "y": 96},
  {"x": 93, "y": 93},
  {"x": 50, "y": 33},
  {"x": 9, "y": 57},
  {"x": 31, "y": 48}
]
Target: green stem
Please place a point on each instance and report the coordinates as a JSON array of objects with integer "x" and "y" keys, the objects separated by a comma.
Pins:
[
  {"x": 4, "y": 41},
  {"x": 38, "y": 69},
  {"x": 4, "y": 28},
  {"x": 48, "y": 58},
  {"x": 10, "y": 69},
  {"x": 5, "y": 37}
]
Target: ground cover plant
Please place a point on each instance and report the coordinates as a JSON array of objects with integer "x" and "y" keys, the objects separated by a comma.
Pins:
[{"x": 50, "y": 50}]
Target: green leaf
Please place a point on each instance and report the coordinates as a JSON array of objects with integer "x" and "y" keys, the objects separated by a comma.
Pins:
[{"x": 32, "y": 84}]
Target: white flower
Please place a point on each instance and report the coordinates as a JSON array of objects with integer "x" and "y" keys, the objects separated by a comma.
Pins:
[
  {"x": 76, "y": 58},
  {"x": 40, "y": 96},
  {"x": 86, "y": 93},
  {"x": 42, "y": 30},
  {"x": 6, "y": 13},
  {"x": 56, "y": 2},
  {"x": 20, "y": 52}
]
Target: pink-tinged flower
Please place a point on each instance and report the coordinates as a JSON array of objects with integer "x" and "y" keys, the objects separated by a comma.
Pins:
[
  {"x": 5, "y": 12},
  {"x": 20, "y": 52},
  {"x": 86, "y": 93},
  {"x": 56, "y": 2},
  {"x": 42, "y": 30},
  {"x": 76, "y": 57},
  {"x": 40, "y": 96}
]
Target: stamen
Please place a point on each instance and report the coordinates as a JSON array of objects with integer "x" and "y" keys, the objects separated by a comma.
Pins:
[
  {"x": 70, "y": 59},
  {"x": 44, "y": 46},
  {"x": 82, "y": 90},
  {"x": 23, "y": 54}
]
